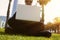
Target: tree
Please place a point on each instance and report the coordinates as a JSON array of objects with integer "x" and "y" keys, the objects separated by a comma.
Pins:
[
  {"x": 49, "y": 26},
  {"x": 8, "y": 11},
  {"x": 42, "y": 3},
  {"x": 57, "y": 23}
]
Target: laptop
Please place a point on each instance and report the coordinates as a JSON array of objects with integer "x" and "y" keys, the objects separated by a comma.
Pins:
[{"x": 28, "y": 13}]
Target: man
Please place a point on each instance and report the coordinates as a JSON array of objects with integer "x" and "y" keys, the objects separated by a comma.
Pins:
[{"x": 24, "y": 27}]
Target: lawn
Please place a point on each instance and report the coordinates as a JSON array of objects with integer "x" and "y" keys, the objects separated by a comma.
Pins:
[{"x": 4, "y": 36}]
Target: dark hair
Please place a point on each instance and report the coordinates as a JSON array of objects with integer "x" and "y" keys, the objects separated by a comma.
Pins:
[{"x": 28, "y": 2}]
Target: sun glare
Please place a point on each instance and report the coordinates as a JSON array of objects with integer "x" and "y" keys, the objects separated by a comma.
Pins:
[{"x": 52, "y": 10}]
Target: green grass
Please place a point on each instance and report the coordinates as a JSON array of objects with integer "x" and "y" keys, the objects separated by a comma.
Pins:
[{"x": 19, "y": 37}]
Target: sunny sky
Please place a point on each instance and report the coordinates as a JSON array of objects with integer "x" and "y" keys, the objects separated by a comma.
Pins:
[
  {"x": 3, "y": 7},
  {"x": 52, "y": 9}
]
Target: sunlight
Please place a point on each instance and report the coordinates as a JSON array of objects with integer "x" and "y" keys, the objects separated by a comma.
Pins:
[
  {"x": 52, "y": 10},
  {"x": 57, "y": 19},
  {"x": 3, "y": 7}
]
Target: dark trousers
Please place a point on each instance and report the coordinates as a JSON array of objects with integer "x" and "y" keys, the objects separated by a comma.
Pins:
[{"x": 24, "y": 27}]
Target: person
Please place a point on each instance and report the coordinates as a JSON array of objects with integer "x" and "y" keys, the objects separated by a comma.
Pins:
[{"x": 28, "y": 28}]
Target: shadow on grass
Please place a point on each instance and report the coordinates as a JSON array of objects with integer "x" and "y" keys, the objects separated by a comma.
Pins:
[
  {"x": 40, "y": 34},
  {"x": 3, "y": 33}
]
